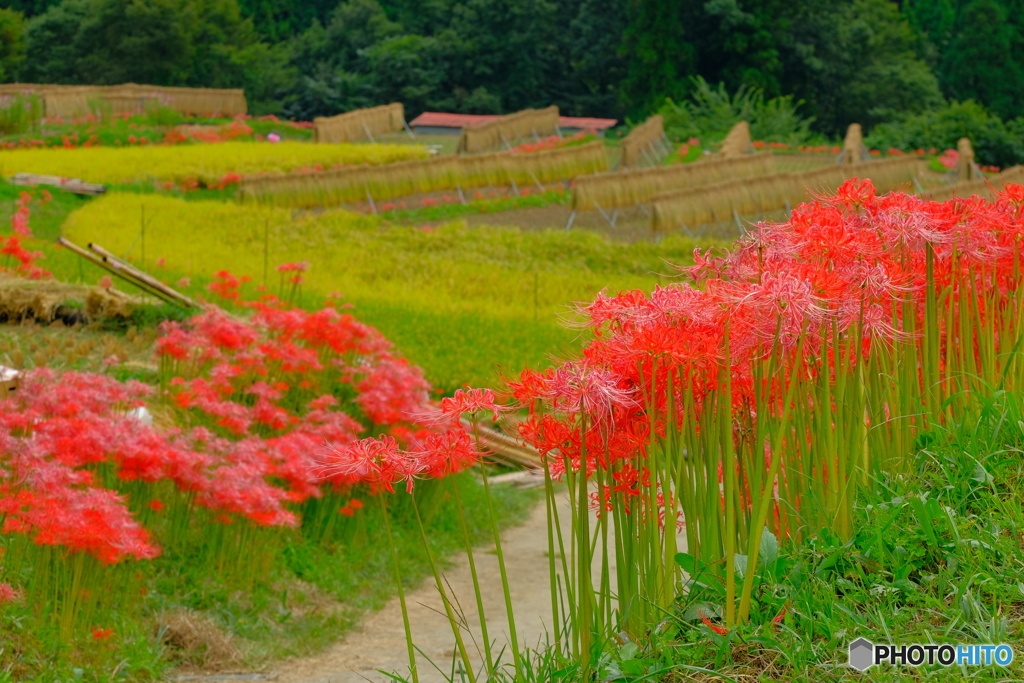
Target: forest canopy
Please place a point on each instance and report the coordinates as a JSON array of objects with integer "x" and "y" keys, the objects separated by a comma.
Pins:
[{"x": 835, "y": 61}]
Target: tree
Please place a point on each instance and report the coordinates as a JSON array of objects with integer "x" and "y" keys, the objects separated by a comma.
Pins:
[
  {"x": 407, "y": 69},
  {"x": 982, "y": 62},
  {"x": 854, "y": 62},
  {"x": 333, "y": 71},
  {"x": 51, "y": 52},
  {"x": 28, "y": 8},
  {"x": 12, "y": 44},
  {"x": 658, "y": 56},
  {"x": 113, "y": 41},
  {"x": 507, "y": 48},
  {"x": 279, "y": 20},
  {"x": 738, "y": 43},
  {"x": 596, "y": 66}
]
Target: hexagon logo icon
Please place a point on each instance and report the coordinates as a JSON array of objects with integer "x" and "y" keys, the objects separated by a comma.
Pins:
[{"x": 862, "y": 654}]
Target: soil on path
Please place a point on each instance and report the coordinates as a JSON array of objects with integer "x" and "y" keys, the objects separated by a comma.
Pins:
[{"x": 379, "y": 643}]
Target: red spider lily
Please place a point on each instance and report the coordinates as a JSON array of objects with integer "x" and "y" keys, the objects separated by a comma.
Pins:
[
  {"x": 851, "y": 263},
  {"x": 550, "y": 142},
  {"x": 950, "y": 158},
  {"x": 471, "y": 401},
  {"x": 260, "y": 397},
  {"x": 711, "y": 625},
  {"x": 8, "y": 593}
]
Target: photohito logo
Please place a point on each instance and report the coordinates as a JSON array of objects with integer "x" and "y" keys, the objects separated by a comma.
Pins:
[{"x": 864, "y": 654}]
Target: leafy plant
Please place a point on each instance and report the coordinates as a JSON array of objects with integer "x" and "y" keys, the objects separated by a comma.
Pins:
[
  {"x": 995, "y": 142},
  {"x": 20, "y": 113},
  {"x": 710, "y": 112}
]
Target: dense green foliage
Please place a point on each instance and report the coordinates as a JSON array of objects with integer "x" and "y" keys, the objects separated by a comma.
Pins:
[
  {"x": 806, "y": 66},
  {"x": 933, "y": 560},
  {"x": 924, "y": 73},
  {"x": 993, "y": 140},
  {"x": 710, "y": 112}
]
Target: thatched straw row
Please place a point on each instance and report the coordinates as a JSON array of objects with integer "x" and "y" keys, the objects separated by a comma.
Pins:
[
  {"x": 714, "y": 203},
  {"x": 361, "y": 124},
  {"x": 70, "y": 101},
  {"x": 629, "y": 188},
  {"x": 982, "y": 187},
  {"x": 638, "y": 145},
  {"x": 503, "y": 131},
  {"x": 387, "y": 181}
]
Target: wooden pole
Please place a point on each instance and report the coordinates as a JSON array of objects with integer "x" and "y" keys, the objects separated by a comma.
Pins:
[
  {"x": 96, "y": 260},
  {"x": 146, "y": 278},
  {"x": 142, "y": 258},
  {"x": 537, "y": 183},
  {"x": 536, "y": 288},
  {"x": 572, "y": 217}
]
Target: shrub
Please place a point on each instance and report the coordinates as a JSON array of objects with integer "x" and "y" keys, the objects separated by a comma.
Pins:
[
  {"x": 712, "y": 111},
  {"x": 995, "y": 142},
  {"x": 20, "y": 113}
]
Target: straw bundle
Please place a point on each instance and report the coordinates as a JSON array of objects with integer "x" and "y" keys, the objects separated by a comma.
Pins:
[
  {"x": 640, "y": 144},
  {"x": 982, "y": 186},
  {"x": 359, "y": 183},
  {"x": 853, "y": 146},
  {"x": 69, "y": 101},
  {"x": 629, "y": 188},
  {"x": 737, "y": 142},
  {"x": 47, "y": 300},
  {"x": 501, "y": 132},
  {"x": 714, "y": 203},
  {"x": 967, "y": 170},
  {"x": 360, "y": 124}
]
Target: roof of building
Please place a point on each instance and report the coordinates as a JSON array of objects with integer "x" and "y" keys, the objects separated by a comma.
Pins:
[{"x": 443, "y": 120}]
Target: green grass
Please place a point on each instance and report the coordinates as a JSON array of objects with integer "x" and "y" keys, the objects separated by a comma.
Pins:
[
  {"x": 936, "y": 558},
  {"x": 459, "y": 301},
  {"x": 467, "y": 304},
  {"x": 277, "y": 592}
]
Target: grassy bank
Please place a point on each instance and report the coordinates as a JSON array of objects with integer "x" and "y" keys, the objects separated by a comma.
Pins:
[{"x": 461, "y": 302}]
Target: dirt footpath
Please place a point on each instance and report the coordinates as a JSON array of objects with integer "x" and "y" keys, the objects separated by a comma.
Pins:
[{"x": 379, "y": 642}]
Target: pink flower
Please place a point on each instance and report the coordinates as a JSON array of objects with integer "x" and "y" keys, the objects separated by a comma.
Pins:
[{"x": 8, "y": 594}]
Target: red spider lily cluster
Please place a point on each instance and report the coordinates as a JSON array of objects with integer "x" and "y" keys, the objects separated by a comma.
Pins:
[
  {"x": 257, "y": 400},
  {"x": 286, "y": 381},
  {"x": 551, "y": 142},
  {"x": 12, "y": 247},
  {"x": 950, "y": 158},
  {"x": 234, "y": 130},
  {"x": 849, "y": 264},
  {"x": 193, "y": 184},
  {"x": 384, "y": 462},
  {"x": 819, "y": 149}
]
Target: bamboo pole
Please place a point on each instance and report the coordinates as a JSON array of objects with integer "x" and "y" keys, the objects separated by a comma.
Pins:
[
  {"x": 148, "y": 279},
  {"x": 113, "y": 270}
]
